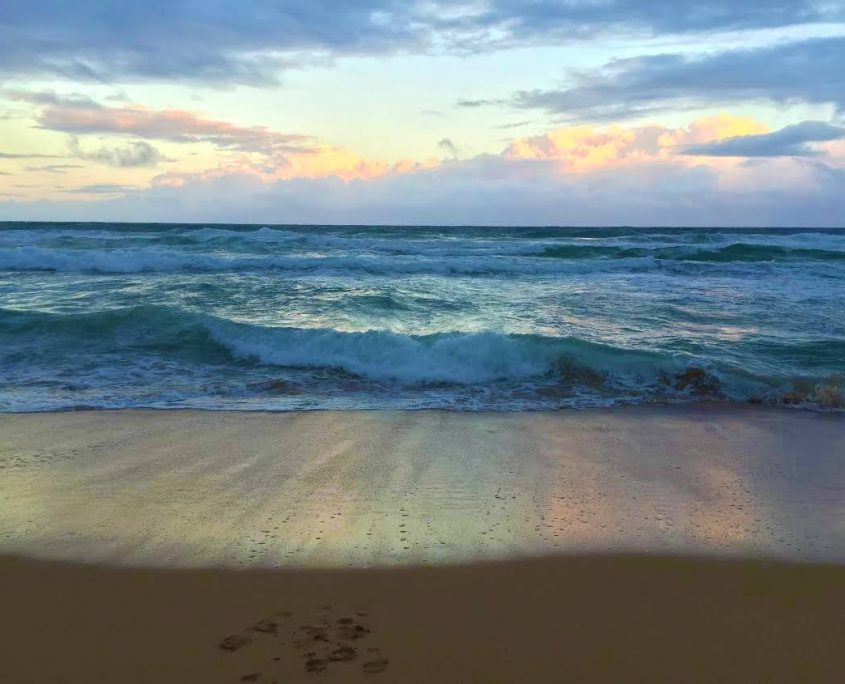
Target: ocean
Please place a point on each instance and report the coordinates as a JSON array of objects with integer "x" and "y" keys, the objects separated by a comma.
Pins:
[{"x": 358, "y": 317}]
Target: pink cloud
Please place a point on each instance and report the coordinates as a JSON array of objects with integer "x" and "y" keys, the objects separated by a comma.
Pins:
[{"x": 170, "y": 124}]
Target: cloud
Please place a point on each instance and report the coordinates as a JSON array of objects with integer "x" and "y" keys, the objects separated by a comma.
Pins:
[
  {"x": 488, "y": 190},
  {"x": 570, "y": 176},
  {"x": 473, "y": 104},
  {"x": 214, "y": 41},
  {"x": 101, "y": 189},
  {"x": 326, "y": 161},
  {"x": 54, "y": 168},
  {"x": 578, "y": 17},
  {"x": 218, "y": 42},
  {"x": 790, "y": 141},
  {"x": 47, "y": 97},
  {"x": 517, "y": 124},
  {"x": 282, "y": 155},
  {"x": 448, "y": 146},
  {"x": 137, "y": 154},
  {"x": 809, "y": 72},
  {"x": 170, "y": 124},
  {"x": 584, "y": 148},
  {"x": 29, "y": 155}
]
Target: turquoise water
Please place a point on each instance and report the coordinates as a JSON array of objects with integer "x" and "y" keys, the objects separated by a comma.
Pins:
[{"x": 264, "y": 317}]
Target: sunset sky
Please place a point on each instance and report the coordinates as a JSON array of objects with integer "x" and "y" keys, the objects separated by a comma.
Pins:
[{"x": 635, "y": 112}]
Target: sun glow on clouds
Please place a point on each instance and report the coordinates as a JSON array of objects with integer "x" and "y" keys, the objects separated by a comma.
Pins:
[
  {"x": 199, "y": 162},
  {"x": 266, "y": 155},
  {"x": 587, "y": 148},
  {"x": 573, "y": 149},
  {"x": 321, "y": 161},
  {"x": 256, "y": 150}
]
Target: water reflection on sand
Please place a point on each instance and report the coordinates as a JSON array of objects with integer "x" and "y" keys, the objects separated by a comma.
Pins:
[{"x": 364, "y": 488}]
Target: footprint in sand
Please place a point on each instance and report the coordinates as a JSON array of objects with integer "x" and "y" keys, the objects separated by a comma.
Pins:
[
  {"x": 376, "y": 662},
  {"x": 342, "y": 654},
  {"x": 315, "y": 665},
  {"x": 265, "y": 626},
  {"x": 234, "y": 642},
  {"x": 322, "y": 644}
]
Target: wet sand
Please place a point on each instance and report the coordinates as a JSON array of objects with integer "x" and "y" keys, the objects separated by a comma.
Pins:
[
  {"x": 567, "y": 619},
  {"x": 473, "y": 540},
  {"x": 189, "y": 488}
]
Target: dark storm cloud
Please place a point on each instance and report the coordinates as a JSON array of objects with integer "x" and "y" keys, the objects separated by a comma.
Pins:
[
  {"x": 809, "y": 71},
  {"x": 790, "y": 141},
  {"x": 222, "y": 41}
]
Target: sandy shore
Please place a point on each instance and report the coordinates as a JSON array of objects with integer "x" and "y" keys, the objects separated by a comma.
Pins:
[
  {"x": 188, "y": 488},
  {"x": 567, "y": 619},
  {"x": 421, "y": 505}
]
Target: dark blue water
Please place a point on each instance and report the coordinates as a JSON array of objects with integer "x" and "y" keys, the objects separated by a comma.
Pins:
[{"x": 252, "y": 317}]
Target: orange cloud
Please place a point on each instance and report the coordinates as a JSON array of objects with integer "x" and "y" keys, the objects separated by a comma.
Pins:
[
  {"x": 322, "y": 161},
  {"x": 713, "y": 128},
  {"x": 585, "y": 148},
  {"x": 577, "y": 149}
]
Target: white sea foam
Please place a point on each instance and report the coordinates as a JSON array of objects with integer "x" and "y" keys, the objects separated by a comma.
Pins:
[
  {"x": 380, "y": 355},
  {"x": 456, "y": 357}
]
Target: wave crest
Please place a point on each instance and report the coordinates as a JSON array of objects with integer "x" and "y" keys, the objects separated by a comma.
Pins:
[{"x": 533, "y": 367}]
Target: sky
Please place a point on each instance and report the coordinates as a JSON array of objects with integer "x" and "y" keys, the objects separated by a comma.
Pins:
[{"x": 485, "y": 112}]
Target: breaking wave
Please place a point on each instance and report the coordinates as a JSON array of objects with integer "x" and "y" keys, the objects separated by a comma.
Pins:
[
  {"x": 532, "y": 365},
  {"x": 391, "y": 317}
]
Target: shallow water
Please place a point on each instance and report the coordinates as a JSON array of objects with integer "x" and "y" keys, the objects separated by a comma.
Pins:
[{"x": 263, "y": 317}]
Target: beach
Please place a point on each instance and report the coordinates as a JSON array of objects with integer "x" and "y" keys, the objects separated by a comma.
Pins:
[
  {"x": 651, "y": 542},
  {"x": 602, "y": 618},
  {"x": 347, "y": 488},
  {"x": 422, "y": 342}
]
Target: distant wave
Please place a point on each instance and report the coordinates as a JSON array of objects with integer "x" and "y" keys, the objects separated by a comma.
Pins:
[
  {"x": 552, "y": 260},
  {"x": 107, "y": 261},
  {"x": 406, "y": 245},
  {"x": 738, "y": 252},
  {"x": 160, "y": 260}
]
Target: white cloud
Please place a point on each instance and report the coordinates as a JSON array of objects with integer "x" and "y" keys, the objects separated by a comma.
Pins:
[{"x": 490, "y": 190}]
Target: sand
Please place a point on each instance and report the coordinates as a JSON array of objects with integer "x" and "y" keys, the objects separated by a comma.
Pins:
[
  {"x": 642, "y": 544},
  {"x": 568, "y": 619},
  {"x": 188, "y": 488}
]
